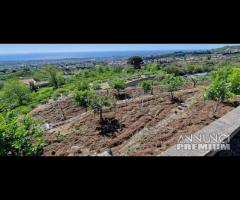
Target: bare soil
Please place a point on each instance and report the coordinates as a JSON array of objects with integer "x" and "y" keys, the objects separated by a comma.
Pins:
[{"x": 143, "y": 125}]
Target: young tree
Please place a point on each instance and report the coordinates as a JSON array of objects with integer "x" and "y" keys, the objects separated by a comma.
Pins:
[
  {"x": 54, "y": 75},
  {"x": 98, "y": 102},
  {"x": 173, "y": 84},
  {"x": 136, "y": 61},
  {"x": 219, "y": 91},
  {"x": 147, "y": 86},
  {"x": 83, "y": 97},
  {"x": 118, "y": 85},
  {"x": 194, "y": 81},
  {"x": 19, "y": 136},
  {"x": 16, "y": 93}
]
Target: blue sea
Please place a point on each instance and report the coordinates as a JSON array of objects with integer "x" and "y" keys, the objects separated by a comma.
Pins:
[{"x": 75, "y": 55}]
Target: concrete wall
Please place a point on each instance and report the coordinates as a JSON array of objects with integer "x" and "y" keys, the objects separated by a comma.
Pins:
[
  {"x": 224, "y": 128},
  {"x": 136, "y": 82}
]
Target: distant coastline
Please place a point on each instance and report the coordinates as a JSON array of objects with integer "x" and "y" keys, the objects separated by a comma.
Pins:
[{"x": 75, "y": 55}]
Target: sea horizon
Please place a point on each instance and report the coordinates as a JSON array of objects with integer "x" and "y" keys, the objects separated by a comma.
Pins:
[{"x": 80, "y": 55}]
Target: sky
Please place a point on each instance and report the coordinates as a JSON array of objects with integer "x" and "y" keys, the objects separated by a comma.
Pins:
[{"x": 47, "y": 48}]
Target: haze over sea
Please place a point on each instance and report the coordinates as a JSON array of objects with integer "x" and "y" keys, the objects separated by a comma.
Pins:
[{"x": 73, "y": 55}]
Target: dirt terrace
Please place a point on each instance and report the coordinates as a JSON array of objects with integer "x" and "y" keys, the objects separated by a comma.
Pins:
[{"x": 140, "y": 126}]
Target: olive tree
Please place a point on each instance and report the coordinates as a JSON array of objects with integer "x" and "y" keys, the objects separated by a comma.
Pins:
[{"x": 98, "y": 102}]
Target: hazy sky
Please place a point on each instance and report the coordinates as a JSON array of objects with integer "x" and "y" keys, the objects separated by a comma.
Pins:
[{"x": 41, "y": 48}]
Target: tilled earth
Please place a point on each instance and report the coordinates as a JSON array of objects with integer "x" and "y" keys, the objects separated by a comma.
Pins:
[{"x": 143, "y": 125}]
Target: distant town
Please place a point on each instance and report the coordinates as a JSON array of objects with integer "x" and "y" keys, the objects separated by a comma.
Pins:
[{"x": 165, "y": 59}]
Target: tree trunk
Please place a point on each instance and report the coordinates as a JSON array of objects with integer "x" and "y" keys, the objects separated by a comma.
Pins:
[
  {"x": 216, "y": 108},
  {"x": 172, "y": 96},
  {"x": 152, "y": 89},
  {"x": 101, "y": 116},
  {"x": 64, "y": 118}
]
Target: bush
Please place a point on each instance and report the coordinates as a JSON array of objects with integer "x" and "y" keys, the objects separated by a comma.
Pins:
[
  {"x": 42, "y": 95},
  {"x": 177, "y": 71},
  {"x": 146, "y": 85},
  {"x": 1, "y": 85},
  {"x": 60, "y": 91},
  {"x": 218, "y": 91},
  {"x": 234, "y": 79},
  {"x": 118, "y": 85},
  {"x": 16, "y": 93},
  {"x": 54, "y": 76},
  {"x": 152, "y": 67},
  {"x": 83, "y": 97},
  {"x": 20, "y": 136},
  {"x": 173, "y": 84},
  {"x": 96, "y": 85},
  {"x": 82, "y": 85},
  {"x": 98, "y": 102}
]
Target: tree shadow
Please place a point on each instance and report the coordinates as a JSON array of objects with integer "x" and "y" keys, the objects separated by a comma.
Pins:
[
  {"x": 109, "y": 126},
  {"x": 177, "y": 100},
  {"x": 232, "y": 104},
  {"x": 123, "y": 96}
]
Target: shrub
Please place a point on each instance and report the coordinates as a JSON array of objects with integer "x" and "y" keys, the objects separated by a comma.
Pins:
[
  {"x": 172, "y": 84},
  {"x": 83, "y": 97},
  {"x": 54, "y": 76},
  {"x": 218, "y": 91},
  {"x": 19, "y": 136},
  {"x": 16, "y": 93},
  {"x": 98, "y": 102},
  {"x": 96, "y": 85},
  {"x": 83, "y": 85},
  {"x": 118, "y": 85},
  {"x": 152, "y": 67},
  {"x": 1, "y": 85},
  {"x": 146, "y": 85},
  {"x": 234, "y": 80}
]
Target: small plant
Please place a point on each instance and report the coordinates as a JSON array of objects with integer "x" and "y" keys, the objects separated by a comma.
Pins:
[
  {"x": 98, "y": 102},
  {"x": 96, "y": 85},
  {"x": 147, "y": 86},
  {"x": 118, "y": 85},
  {"x": 218, "y": 91},
  {"x": 194, "y": 81},
  {"x": 83, "y": 97},
  {"x": 83, "y": 85},
  {"x": 172, "y": 84}
]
